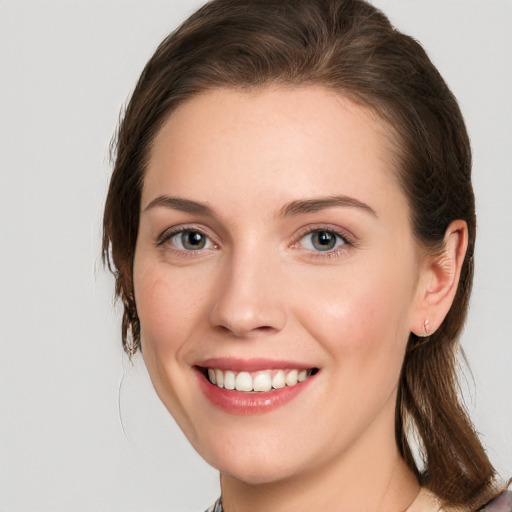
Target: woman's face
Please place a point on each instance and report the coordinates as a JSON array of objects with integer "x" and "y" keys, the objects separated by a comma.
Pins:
[{"x": 274, "y": 246}]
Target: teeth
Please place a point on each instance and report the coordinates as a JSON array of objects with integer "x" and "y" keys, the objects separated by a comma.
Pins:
[
  {"x": 260, "y": 381},
  {"x": 243, "y": 382},
  {"x": 279, "y": 380},
  {"x": 219, "y": 378},
  {"x": 229, "y": 379},
  {"x": 292, "y": 378}
]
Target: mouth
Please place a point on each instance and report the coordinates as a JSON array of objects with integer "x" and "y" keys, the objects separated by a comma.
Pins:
[{"x": 261, "y": 381}]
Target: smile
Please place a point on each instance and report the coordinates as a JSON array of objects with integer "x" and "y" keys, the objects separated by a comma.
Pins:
[
  {"x": 253, "y": 386},
  {"x": 259, "y": 381}
]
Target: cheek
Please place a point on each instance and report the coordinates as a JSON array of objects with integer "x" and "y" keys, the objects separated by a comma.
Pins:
[
  {"x": 163, "y": 307},
  {"x": 354, "y": 311},
  {"x": 167, "y": 312},
  {"x": 361, "y": 324}
]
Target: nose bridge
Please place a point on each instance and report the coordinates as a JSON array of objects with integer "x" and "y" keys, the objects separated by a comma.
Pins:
[{"x": 249, "y": 301}]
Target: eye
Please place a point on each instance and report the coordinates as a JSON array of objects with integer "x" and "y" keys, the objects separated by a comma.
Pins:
[
  {"x": 190, "y": 240},
  {"x": 322, "y": 240}
]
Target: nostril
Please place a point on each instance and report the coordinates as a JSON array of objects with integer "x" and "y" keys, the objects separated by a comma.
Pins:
[
  {"x": 240, "y": 332},
  {"x": 262, "y": 330}
]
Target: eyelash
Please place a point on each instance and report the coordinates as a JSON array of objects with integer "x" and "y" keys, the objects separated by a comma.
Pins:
[
  {"x": 332, "y": 253},
  {"x": 168, "y": 234}
]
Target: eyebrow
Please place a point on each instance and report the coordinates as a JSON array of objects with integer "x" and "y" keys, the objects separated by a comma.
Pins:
[
  {"x": 183, "y": 205},
  {"x": 298, "y": 207},
  {"x": 321, "y": 203}
]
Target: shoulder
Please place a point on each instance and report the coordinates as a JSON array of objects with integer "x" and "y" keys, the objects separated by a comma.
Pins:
[
  {"x": 216, "y": 507},
  {"x": 428, "y": 502},
  {"x": 502, "y": 503}
]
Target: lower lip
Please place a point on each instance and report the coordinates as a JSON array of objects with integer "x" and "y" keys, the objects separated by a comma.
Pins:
[{"x": 238, "y": 402}]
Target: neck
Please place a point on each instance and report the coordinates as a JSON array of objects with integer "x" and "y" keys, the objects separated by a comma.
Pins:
[
  {"x": 370, "y": 477},
  {"x": 392, "y": 492}
]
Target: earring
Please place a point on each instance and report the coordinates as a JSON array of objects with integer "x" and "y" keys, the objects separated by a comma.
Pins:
[{"x": 426, "y": 328}]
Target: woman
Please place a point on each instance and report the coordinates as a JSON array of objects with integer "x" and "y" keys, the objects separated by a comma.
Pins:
[{"x": 291, "y": 225}]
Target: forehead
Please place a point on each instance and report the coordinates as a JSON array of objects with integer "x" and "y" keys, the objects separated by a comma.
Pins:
[{"x": 278, "y": 142}]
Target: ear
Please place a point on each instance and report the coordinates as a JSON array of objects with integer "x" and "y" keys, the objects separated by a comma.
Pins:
[{"x": 439, "y": 280}]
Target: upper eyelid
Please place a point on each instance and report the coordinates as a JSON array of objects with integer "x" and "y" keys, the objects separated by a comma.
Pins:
[
  {"x": 335, "y": 233},
  {"x": 329, "y": 256},
  {"x": 346, "y": 235},
  {"x": 169, "y": 232}
]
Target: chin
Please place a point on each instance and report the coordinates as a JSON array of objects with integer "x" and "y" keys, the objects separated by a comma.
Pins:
[
  {"x": 254, "y": 462},
  {"x": 255, "y": 471}
]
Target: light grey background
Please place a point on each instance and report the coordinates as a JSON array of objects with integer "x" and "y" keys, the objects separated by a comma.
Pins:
[{"x": 66, "y": 68}]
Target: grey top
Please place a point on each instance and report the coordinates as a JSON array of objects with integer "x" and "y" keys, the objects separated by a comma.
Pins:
[{"x": 502, "y": 503}]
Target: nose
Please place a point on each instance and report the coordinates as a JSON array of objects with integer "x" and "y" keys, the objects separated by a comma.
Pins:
[{"x": 250, "y": 298}]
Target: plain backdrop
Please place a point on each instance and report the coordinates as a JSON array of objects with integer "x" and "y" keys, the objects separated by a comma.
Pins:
[{"x": 80, "y": 428}]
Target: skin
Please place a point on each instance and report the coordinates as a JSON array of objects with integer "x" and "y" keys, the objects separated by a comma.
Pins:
[{"x": 259, "y": 288}]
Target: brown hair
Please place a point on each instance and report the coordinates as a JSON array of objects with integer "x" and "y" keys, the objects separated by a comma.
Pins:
[{"x": 350, "y": 47}]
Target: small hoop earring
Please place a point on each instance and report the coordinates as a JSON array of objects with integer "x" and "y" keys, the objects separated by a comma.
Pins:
[{"x": 426, "y": 328}]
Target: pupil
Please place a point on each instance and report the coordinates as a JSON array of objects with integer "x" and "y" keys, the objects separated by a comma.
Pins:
[
  {"x": 324, "y": 241},
  {"x": 193, "y": 240}
]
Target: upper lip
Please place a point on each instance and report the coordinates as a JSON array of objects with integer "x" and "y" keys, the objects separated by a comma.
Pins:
[{"x": 252, "y": 364}]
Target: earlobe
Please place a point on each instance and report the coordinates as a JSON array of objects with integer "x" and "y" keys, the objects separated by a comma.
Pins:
[{"x": 439, "y": 280}]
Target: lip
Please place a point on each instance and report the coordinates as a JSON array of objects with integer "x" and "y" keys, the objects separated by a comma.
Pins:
[
  {"x": 251, "y": 365},
  {"x": 240, "y": 403}
]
